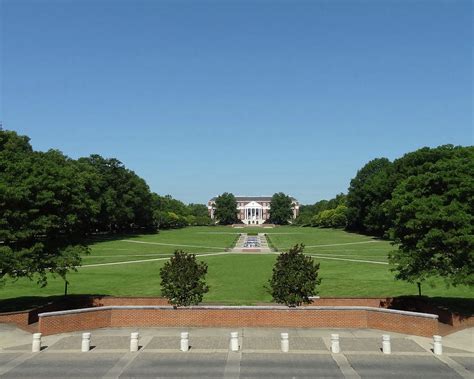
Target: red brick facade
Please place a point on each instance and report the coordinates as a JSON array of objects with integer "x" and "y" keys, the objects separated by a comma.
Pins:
[
  {"x": 215, "y": 316},
  {"x": 19, "y": 318},
  {"x": 28, "y": 319}
]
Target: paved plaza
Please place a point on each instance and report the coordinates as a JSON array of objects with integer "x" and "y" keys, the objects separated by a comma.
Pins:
[{"x": 259, "y": 356}]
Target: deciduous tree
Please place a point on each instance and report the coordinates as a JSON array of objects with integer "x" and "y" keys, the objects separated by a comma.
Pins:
[
  {"x": 433, "y": 222},
  {"x": 44, "y": 211},
  {"x": 226, "y": 209},
  {"x": 295, "y": 278},
  {"x": 183, "y": 279},
  {"x": 367, "y": 192},
  {"x": 281, "y": 208}
]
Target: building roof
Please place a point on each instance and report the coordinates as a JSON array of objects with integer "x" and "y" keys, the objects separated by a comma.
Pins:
[{"x": 253, "y": 198}]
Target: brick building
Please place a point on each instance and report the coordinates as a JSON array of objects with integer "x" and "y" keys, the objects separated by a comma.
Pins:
[{"x": 252, "y": 210}]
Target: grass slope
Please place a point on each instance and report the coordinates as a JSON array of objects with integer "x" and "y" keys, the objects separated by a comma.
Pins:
[{"x": 236, "y": 278}]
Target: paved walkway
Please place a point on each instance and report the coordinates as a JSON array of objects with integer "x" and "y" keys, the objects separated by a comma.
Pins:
[
  {"x": 259, "y": 356},
  {"x": 262, "y": 244}
]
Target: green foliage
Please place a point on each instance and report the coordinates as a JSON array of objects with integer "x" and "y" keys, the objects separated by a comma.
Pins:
[
  {"x": 182, "y": 279},
  {"x": 294, "y": 278},
  {"x": 433, "y": 221},
  {"x": 45, "y": 210},
  {"x": 49, "y": 203},
  {"x": 280, "y": 209},
  {"x": 199, "y": 215},
  {"x": 122, "y": 198},
  {"x": 170, "y": 220},
  {"x": 198, "y": 210},
  {"x": 309, "y": 215},
  {"x": 169, "y": 213},
  {"x": 367, "y": 192},
  {"x": 226, "y": 209},
  {"x": 331, "y": 218},
  {"x": 372, "y": 189}
]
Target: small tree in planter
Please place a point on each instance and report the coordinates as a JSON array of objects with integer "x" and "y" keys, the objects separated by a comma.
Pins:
[
  {"x": 182, "y": 279},
  {"x": 295, "y": 277}
]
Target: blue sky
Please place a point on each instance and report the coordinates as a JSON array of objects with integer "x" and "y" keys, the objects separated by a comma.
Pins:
[{"x": 250, "y": 97}]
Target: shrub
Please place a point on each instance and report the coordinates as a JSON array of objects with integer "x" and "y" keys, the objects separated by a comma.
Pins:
[
  {"x": 295, "y": 277},
  {"x": 182, "y": 279}
]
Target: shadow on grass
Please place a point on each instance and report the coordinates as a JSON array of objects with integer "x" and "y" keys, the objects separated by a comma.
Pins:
[
  {"x": 445, "y": 307},
  {"x": 108, "y": 237},
  {"x": 38, "y": 304}
]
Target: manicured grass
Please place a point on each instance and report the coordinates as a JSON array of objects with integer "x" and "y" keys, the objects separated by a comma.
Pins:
[{"x": 234, "y": 278}]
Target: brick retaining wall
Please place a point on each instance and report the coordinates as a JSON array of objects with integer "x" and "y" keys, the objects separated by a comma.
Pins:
[
  {"x": 227, "y": 316},
  {"x": 19, "y": 318}
]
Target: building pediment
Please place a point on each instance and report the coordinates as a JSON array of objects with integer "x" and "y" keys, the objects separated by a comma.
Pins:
[{"x": 253, "y": 204}]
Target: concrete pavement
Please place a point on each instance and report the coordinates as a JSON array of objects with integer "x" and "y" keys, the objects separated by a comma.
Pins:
[{"x": 209, "y": 356}]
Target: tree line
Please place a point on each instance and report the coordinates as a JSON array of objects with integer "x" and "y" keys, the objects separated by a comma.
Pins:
[
  {"x": 325, "y": 213},
  {"x": 49, "y": 204},
  {"x": 423, "y": 202}
]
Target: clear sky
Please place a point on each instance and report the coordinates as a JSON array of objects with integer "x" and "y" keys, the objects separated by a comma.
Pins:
[{"x": 250, "y": 97}]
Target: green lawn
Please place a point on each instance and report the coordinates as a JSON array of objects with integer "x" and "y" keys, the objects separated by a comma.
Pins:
[{"x": 352, "y": 265}]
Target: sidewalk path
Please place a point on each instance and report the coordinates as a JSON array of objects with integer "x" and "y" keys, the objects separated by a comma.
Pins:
[{"x": 209, "y": 356}]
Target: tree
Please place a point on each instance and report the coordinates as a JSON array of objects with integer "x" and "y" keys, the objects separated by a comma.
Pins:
[
  {"x": 182, "y": 279},
  {"x": 280, "y": 208},
  {"x": 44, "y": 211},
  {"x": 198, "y": 210},
  {"x": 200, "y": 213},
  {"x": 434, "y": 222},
  {"x": 331, "y": 218},
  {"x": 226, "y": 209},
  {"x": 295, "y": 277},
  {"x": 371, "y": 190},
  {"x": 367, "y": 192},
  {"x": 123, "y": 198},
  {"x": 311, "y": 214}
]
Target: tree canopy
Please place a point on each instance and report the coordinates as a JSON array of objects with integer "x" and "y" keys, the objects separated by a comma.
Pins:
[
  {"x": 372, "y": 188},
  {"x": 44, "y": 210},
  {"x": 182, "y": 279},
  {"x": 312, "y": 215},
  {"x": 171, "y": 213},
  {"x": 280, "y": 208},
  {"x": 433, "y": 221},
  {"x": 226, "y": 209},
  {"x": 294, "y": 278},
  {"x": 49, "y": 205},
  {"x": 423, "y": 201},
  {"x": 122, "y": 198},
  {"x": 367, "y": 192}
]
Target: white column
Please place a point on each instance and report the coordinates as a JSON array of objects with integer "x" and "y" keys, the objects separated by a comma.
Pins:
[
  {"x": 335, "y": 348},
  {"x": 134, "y": 342},
  {"x": 386, "y": 346},
  {"x": 36, "y": 346},
  {"x": 86, "y": 342},
  {"x": 234, "y": 341},
  {"x": 285, "y": 344},
  {"x": 437, "y": 345},
  {"x": 184, "y": 341}
]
